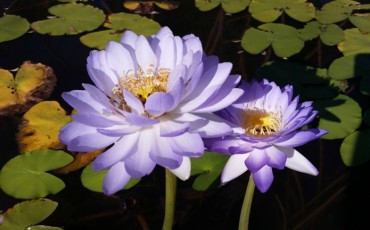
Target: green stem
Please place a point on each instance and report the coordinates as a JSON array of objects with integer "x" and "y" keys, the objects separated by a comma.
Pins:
[
  {"x": 247, "y": 203},
  {"x": 170, "y": 200}
]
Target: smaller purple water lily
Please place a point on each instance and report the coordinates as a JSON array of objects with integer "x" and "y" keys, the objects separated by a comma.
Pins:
[{"x": 266, "y": 122}]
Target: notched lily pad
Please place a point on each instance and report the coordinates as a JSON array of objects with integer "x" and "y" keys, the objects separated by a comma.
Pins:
[
  {"x": 40, "y": 125},
  {"x": 117, "y": 23},
  {"x": 335, "y": 118},
  {"x": 330, "y": 34},
  {"x": 284, "y": 39},
  {"x": 361, "y": 21},
  {"x": 25, "y": 176},
  {"x": 355, "y": 42},
  {"x": 336, "y": 11},
  {"x": 12, "y": 27},
  {"x": 71, "y": 18},
  {"x": 269, "y": 11},
  {"x": 93, "y": 180},
  {"x": 355, "y": 148},
  {"x": 208, "y": 168},
  {"x": 351, "y": 66},
  {"x": 26, "y": 214},
  {"x": 32, "y": 83}
]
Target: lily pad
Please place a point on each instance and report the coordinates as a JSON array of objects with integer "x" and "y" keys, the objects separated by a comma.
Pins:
[
  {"x": 336, "y": 11},
  {"x": 269, "y": 11},
  {"x": 234, "y": 6},
  {"x": 40, "y": 127},
  {"x": 93, "y": 180},
  {"x": 25, "y": 176},
  {"x": 351, "y": 66},
  {"x": 12, "y": 27},
  {"x": 361, "y": 21},
  {"x": 32, "y": 83},
  {"x": 207, "y": 5},
  {"x": 117, "y": 23},
  {"x": 330, "y": 34},
  {"x": 26, "y": 214},
  {"x": 80, "y": 160},
  {"x": 208, "y": 168},
  {"x": 355, "y": 148},
  {"x": 335, "y": 116},
  {"x": 71, "y": 18},
  {"x": 355, "y": 42},
  {"x": 284, "y": 39}
]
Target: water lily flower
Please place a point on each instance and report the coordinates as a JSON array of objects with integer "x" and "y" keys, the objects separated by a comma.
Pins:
[
  {"x": 153, "y": 101},
  {"x": 267, "y": 125}
]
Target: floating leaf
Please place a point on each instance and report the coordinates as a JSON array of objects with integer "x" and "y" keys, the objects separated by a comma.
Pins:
[
  {"x": 12, "y": 27},
  {"x": 336, "y": 11},
  {"x": 335, "y": 118},
  {"x": 117, "y": 23},
  {"x": 93, "y": 180},
  {"x": 25, "y": 176},
  {"x": 284, "y": 39},
  {"x": 234, "y": 6},
  {"x": 32, "y": 83},
  {"x": 361, "y": 21},
  {"x": 269, "y": 11},
  {"x": 355, "y": 42},
  {"x": 40, "y": 127},
  {"x": 209, "y": 166},
  {"x": 329, "y": 34},
  {"x": 26, "y": 214},
  {"x": 100, "y": 39},
  {"x": 349, "y": 67},
  {"x": 207, "y": 5},
  {"x": 355, "y": 148},
  {"x": 71, "y": 19}
]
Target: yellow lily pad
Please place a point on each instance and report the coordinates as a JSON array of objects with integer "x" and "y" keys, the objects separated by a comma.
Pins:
[
  {"x": 40, "y": 127},
  {"x": 32, "y": 83},
  {"x": 80, "y": 160}
]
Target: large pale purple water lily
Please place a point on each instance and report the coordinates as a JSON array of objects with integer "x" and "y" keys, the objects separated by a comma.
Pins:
[
  {"x": 267, "y": 123},
  {"x": 152, "y": 103}
]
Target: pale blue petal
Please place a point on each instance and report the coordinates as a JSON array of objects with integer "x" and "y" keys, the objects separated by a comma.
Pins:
[
  {"x": 133, "y": 102},
  {"x": 188, "y": 144},
  {"x": 277, "y": 157},
  {"x": 115, "y": 179},
  {"x": 299, "y": 138},
  {"x": 158, "y": 103},
  {"x": 263, "y": 178},
  {"x": 140, "y": 120},
  {"x": 162, "y": 154},
  {"x": 298, "y": 162},
  {"x": 256, "y": 160},
  {"x": 170, "y": 128},
  {"x": 234, "y": 167},
  {"x": 183, "y": 172},
  {"x": 145, "y": 56}
]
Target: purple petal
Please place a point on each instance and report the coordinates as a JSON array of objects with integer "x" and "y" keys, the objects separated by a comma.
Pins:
[
  {"x": 90, "y": 142},
  {"x": 162, "y": 154},
  {"x": 129, "y": 38},
  {"x": 263, "y": 178},
  {"x": 183, "y": 172},
  {"x": 144, "y": 54},
  {"x": 140, "y": 164},
  {"x": 256, "y": 160},
  {"x": 299, "y": 138},
  {"x": 95, "y": 120},
  {"x": 169, "y": 128},
  {"x": 209, "y": 125},
  {"x": 82, "y": 101},
  {"x": 234, "y": 167},
  {"x": 166, "y": 52},
  {"x": 140, "y": 120},
  {"x": 119, "y": 58},
  {"x": 188, "y": 144},
  {"x": 298, "y": 162},
  {"x": 223, "y": 144},
  {"x": 133, "y": 102},
  {"x": 122, "y": 148},
  {"x": 277, "y": 157},
  {"x": 158, "y": 103},
  {"x": 115, "y": 179}
]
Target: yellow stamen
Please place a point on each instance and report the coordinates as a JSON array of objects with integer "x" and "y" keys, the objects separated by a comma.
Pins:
[{"x": 260, "y": 123}]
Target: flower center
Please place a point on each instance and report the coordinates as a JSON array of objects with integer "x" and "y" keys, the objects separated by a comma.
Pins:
[
  {"x": 141, "y": 85},
  {"x": 260, "y": 123}
]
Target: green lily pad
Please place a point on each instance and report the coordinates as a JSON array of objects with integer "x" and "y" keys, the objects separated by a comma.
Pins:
[
  {"x": 269, "y": 11},
  {"x": 93, "y": 180},
  {"x": 335, "y": 116},
  {"x": 361, "y": 21},
  {"x": 336, "y": 11},
  {"x": 26, "y": 214},
  {"x": 12, "y": 27},
  {"x": 348, "y": 67},
  {"x": 70, "y": 19},
  {"x": 209, "y": 166},
  {"x": 100, "y": 39},
  {"x": 355, "y": 42},
  {"x": 234, "y": 6},
  {"x": 330, "y": 34},
  {"x": 284, "y": 39},
  {"x": 355, "y": 148},
  {"x": 207, "y": 5},
  {"x": 25, "y": 176}
]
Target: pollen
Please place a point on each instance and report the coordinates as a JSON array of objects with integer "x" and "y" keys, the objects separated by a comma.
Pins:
[
  {"x": 141, "y": 85},
  {"x": 259, "y": 123}
]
